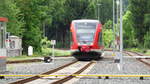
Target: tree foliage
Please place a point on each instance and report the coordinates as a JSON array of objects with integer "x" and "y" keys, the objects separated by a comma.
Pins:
[
  {"x": 147, "y": 40},
  {"x": 138, "y": 9},
  {"x": 129, "y": 32},
  {"x": 106, "y": 12},
  {"x": 66, "y": 11},
  {"x": 33, "y": 13},
  {"x": 141, "y": 17},
  {"x": 12, "y": 12},
  {"x": 108, "y": 34}
]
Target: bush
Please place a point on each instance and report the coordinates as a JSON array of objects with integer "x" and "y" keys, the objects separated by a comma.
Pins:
[
  {"x": 128, "y": 31},
  {"x": 47, "y": 49},
  {"x": 45, "y": 46},
  {"x": 107, "y": 34}
]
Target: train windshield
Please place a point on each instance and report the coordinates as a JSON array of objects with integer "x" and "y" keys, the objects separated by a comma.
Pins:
[{"x": 85, "y": 32}]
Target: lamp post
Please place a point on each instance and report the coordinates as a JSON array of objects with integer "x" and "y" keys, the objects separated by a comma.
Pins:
[
  {"x": 98, "y": 11},
  {"x": 121, "y": 36},
  {"x": 116, "y": 33},
  {"x": 117, "y": 2},
  {"x": 113, "y": 14},
  {"x": 120, "y": 33},
  {"x": 113, "y": 26}
]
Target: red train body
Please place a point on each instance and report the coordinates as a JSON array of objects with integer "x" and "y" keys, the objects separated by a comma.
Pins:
[{"x": 86, "y": 39}]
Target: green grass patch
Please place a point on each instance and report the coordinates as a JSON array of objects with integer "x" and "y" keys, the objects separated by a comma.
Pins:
[
  {"x": 145, "y": 51},
  {"x": 57, "y": 52},
  {"x": 45, "y": 52},
  {"x": 134, "y": 49},
  {"x": 23, "y": 57}
]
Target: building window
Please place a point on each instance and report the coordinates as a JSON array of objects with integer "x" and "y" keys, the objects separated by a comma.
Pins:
[{"x": 12, "y": 44}]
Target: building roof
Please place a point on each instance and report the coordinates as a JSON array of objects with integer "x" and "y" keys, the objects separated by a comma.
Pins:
[{"x": 2, "y": 19}]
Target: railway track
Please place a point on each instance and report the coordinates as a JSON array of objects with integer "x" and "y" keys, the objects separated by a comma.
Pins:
[
  {"x": 130, "y": 53},
  {"x": 143, "y": 60},
  {"x": 58, "y": 75},
  {"x": 24, "y": 61}
]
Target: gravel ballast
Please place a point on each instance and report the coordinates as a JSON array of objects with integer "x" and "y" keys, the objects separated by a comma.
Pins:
[
  {"x": 33, "y": 68},
  {"x": 107, "y": 66},
  {"x": 103, "y": 66}
]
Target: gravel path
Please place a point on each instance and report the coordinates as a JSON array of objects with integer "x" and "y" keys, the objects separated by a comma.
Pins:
[
  {"x": 32, "y": 68},
  {"x": 107, "y": 66}
]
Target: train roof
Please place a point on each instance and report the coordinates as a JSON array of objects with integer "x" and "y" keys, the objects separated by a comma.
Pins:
[{"x": 85, "y": 20}]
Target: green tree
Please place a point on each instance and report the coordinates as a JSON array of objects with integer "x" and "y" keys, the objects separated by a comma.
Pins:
[
  {"x": 106, "y": 12},
  {"x": 107, "y": 34},
  {"x": 33, "y": 13},
  {"x": 129, "y": 32},
  {"x": 12, "y": 12},
  {"x": 138, "y": 9},
  {"x": 147, "y": 26},
  {"x": 64, "y": 12},
  {"x": 147, "y": 40}
]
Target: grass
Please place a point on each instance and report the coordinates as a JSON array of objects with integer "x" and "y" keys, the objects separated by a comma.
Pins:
[
  {"x": 57, "y": 52},
  {"x": 62, "y": 53},
  {"x": 148, "y": 52},
  {"x": 134, "y": 49},
  {"x": 23, "y": 57},
  {"x": 145, "y": 51},
  {"x": 46, "y": 52}
]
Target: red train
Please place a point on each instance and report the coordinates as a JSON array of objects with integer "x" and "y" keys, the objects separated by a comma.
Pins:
[{"x": 86, "y": 39}]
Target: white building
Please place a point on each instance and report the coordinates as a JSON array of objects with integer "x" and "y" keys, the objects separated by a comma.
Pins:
[{"x": 14, "y": 46}]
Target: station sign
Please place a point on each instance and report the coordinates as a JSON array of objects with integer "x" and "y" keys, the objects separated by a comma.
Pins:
[{"x": 53, "y": 42}]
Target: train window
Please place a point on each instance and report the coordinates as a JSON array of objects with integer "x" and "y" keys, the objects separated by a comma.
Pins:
[
  {"x": 85, "y": 32},
  {"x": 100, "y": 39},
  {"x": 85, "y": 25}
]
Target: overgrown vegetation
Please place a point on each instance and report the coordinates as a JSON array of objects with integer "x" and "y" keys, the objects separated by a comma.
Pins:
[
  {"x": 47, "y": 49},
  {"x": 140, "y": 18},
  {"x": 136, "y": 25},
  {"x": 108, "y": 34}
]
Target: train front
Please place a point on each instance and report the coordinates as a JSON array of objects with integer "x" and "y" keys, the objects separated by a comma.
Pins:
[{"x": 86, "y": 39}]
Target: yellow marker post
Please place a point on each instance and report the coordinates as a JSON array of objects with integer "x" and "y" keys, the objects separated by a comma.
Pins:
[{"x": 113, "y": 54}]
